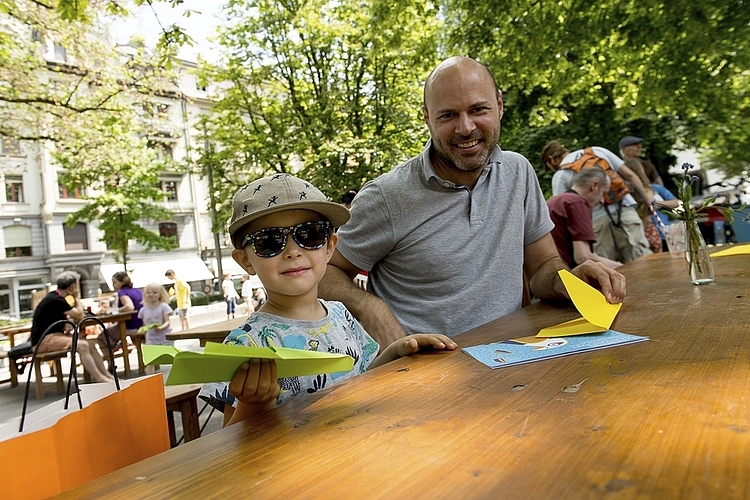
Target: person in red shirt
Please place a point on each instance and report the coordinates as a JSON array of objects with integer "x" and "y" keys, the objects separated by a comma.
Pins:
[{"x": 571, "y": 212}]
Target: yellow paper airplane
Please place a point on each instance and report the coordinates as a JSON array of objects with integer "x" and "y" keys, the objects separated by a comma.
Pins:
[
  {"x": 733, "y": 250},
  {"x": 598, "y": 314}
]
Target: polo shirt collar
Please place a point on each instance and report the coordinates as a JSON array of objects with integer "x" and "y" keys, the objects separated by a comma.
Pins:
[{"x": 429, "y": 171}]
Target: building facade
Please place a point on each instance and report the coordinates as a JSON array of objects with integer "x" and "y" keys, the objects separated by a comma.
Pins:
[{"x": 33, "y": 206}]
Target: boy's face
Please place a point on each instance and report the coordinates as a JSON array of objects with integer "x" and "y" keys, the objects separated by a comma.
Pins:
[{"x": 295, "y": 272}]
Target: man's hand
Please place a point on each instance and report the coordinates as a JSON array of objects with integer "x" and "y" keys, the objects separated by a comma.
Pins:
[{"x": 609, "y": 281}]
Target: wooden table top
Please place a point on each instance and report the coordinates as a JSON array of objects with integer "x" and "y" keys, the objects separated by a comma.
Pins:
[
  {"x": 667, "y": 418},
  {"x": 213, "y": 332}
]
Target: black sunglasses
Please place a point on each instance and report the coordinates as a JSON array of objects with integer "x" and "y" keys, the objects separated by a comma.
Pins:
[{"x": 272, "y": 241}]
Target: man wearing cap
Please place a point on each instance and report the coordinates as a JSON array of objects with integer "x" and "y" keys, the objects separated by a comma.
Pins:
[
  {"x": 449, "y": 236},
  {"x": 632, "y": 147},
  {"x": 618, "y": 227}
]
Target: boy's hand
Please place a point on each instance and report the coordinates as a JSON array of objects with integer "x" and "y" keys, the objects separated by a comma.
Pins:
[
  {"x": 255, "y": 382},
  {"x": 413, "y": 343}
]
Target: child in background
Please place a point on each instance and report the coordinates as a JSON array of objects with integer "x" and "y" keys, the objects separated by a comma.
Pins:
[
  {"x": 155, "y": 314},
  {"x": 282, "y": 229}
]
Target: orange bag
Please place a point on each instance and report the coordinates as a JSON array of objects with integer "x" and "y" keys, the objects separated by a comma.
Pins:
[
  {"x": 61, "y": 448},
  {"x": 75, "y": 446}
]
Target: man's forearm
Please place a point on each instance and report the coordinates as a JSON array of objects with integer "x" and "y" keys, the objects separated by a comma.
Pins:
[
  {"x": 374, "y": 314},
  {"x": 546, "y": 283}
]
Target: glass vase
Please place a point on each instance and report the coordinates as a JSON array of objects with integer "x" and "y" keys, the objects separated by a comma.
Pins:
[{"x": 700, "y": 267}]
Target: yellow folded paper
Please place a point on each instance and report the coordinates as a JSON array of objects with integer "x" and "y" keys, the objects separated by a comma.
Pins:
[
  {"x": 733, "y": 250},
  {"x": 598, "y": 314}
]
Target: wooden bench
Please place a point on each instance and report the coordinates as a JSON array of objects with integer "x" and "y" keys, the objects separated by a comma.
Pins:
[
  {"x": 55, "y": 359},
  {"x": 182, "y": 398}
]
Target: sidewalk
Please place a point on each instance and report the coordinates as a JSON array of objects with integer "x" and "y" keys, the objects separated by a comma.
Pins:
[{"x": 11, "y": 398}]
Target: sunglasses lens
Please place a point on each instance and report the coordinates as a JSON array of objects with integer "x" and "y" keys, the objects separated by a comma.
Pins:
[
  {"x": 311, "y": 235},
  {"x": 269, "y": 242}
]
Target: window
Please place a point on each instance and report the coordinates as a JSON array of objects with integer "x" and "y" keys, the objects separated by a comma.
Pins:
[
  {"x": 65, "y": 193},
  {"x": 60, "y": 53},
  {"x": 17, "y": 241},
  {"x": 164, "y": 151},
  {"x": 169, "y": 187},
  {"x": 76, "y": 237},
  {"x": 168, "y": 230},
  {"x": 14, "y": 188},
  {"x": 10, "y": 147}
]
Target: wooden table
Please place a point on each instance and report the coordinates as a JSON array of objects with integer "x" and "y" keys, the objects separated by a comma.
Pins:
[
  {"x": 120, "y": 318},
  {"x": 667, "y": 418},
  {"x": 215, "y": 332},
  {"x": 11, "y": 331}
]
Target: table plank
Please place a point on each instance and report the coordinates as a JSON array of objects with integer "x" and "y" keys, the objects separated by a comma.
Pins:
[
  {"x": 215, "y": 332},
  {"x": 668, "y": 418}
]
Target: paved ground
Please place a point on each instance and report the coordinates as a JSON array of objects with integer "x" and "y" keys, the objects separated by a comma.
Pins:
[{"x": 11, "y": 398}]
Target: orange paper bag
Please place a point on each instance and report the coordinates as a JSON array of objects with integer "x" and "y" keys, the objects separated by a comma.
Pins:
[{"x": 61, "y": 449}]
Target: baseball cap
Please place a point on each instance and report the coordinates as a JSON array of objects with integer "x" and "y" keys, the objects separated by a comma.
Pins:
[
  {"x": 281, "y": 192},
  {"x": 629, "y": 140}
]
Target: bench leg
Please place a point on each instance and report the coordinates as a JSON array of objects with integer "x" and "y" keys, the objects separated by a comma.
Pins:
[
  {"x": 172, "y": 432},
  {"x": 38, "y": 382},
  {"x": 191, "y": 428},
  {"x": 58, "y": 370},
  {"x": 13, "y": 373}
]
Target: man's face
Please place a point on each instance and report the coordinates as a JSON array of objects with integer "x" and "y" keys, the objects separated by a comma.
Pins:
[
  {"x": 632, "y": 151},
  {"x": 463, "y": 111},
  {"x": 597, "y": 194}
]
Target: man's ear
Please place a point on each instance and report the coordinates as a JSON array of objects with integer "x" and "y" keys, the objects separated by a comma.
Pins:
[
  {"x": 241, "y": 258},
  {"x": 500, "y": 107}
]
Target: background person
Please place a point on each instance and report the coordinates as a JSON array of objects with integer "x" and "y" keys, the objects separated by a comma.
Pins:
[
  {"x": 646, "y": 211},
  {"x": 60, "y": 304},
  {"x": 632, "y": 147},
  {"x": 230, "y": 295},
  {"x": 128, "y": 299},
  {"x": 448, "y": 236},
  {"x": 571, "y": 212},
  {"x": 182, "y": 297},
  {"x": 617, "y": 225},
  {"x": 155, "y": 315},
  {"x": 282, "y": 229},
  {"x": 247, "y": 293}
]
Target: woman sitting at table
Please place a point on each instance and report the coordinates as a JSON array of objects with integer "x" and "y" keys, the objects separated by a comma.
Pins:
[{"x": 129, "y": 299}]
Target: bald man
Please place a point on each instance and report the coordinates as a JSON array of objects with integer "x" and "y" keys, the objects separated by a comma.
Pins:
[{"x": 448, "y": 236}]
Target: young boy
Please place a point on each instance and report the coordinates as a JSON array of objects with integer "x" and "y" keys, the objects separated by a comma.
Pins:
[{"x": 282, "y": 229}]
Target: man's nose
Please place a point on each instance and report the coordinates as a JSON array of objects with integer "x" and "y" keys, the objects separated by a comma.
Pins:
[{"x": 465, "y": 124}]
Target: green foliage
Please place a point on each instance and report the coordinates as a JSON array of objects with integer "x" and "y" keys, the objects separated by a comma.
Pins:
[
  {"x": 88, "y": 111},
  {"x": 680, "y": 63},
  {"x": 329, "y": 90}
]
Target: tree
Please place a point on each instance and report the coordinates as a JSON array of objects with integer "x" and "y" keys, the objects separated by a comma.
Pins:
[
  {"x": 678, "y": 67},
  {"x": 63, "y": 84},
  {"x": 330, "y": 89}
]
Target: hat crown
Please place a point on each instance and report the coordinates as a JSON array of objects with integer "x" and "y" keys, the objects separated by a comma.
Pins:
[{"x": 281, "y": 192}]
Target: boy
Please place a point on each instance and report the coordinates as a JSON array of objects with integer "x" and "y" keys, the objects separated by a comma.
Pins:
[{"x": 282, "y": 229}]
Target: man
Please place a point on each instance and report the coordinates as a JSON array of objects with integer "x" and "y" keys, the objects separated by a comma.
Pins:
[
  {"x": 59, "y": 305},
  {"x": 182, "y": 296},
  {"x": 571, "y": 212},
  {"x": 448, "y": 236},
  {"x": 632, "y": 147},
  {"x": 617, "y": 225}
]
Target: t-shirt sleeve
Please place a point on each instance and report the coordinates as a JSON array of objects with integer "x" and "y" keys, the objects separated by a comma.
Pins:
[
  {"x": 369, "y": 234},
  {"x": 538, "y": 222}
]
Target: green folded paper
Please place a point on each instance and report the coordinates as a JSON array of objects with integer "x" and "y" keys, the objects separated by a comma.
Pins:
[{"x": 219, "y": 362}]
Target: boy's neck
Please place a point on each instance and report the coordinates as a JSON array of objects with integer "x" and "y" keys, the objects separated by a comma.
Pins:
[{"x": 299, "y": 308}]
